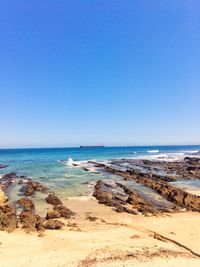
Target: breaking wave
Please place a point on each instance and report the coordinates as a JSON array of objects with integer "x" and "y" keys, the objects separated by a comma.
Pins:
[{"x": 153, "y": 151}]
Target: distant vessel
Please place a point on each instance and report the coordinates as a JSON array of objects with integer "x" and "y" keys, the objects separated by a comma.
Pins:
[{"x": 90, "y": 146}]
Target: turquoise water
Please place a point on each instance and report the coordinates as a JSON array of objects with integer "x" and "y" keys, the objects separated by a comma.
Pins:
[{"x": 45, "y": 164}]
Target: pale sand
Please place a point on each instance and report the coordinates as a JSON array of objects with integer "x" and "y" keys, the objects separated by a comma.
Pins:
[
  {"x": 194, "y": 192},
  {"x": 2, "y": 197},
  {"x": 119, "y": 240}
]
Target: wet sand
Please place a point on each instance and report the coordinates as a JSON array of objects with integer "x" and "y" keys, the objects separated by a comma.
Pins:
[{"x": 98, "y": 236}]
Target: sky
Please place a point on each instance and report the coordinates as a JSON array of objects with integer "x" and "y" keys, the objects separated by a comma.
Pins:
[{"x": 107, "y": 72}]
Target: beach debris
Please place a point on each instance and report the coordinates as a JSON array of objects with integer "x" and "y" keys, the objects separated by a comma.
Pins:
[
  {"x": 53, "y": 199},
  {"x": 136, "y": 236},
  {"x": 167, "y": 239},
  {"x": 91, "y": 218},
  {"x": 53, "y": 224}
]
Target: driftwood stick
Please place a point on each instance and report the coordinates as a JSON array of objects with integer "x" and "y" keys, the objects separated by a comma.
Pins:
[{"x": 167, "y": 239}]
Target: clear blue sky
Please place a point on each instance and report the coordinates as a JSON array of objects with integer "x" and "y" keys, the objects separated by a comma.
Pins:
[{"x": 123, "y": 72}]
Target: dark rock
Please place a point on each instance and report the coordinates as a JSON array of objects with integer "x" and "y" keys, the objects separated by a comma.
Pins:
[
  {"x": 28, "y": 218},
  {"x": 192, "y": 160},
  {"x": 53, "y": 224},
  {"x": 8, "y": 218},
  {"x": 39, "y": 223},
  {"x": 91, "y": 218},
  {"x": 176, "y": 195},
  {"x": 63, "y": 211},
  {"x": 30, "y": 221},
  {"x": 26, "y": 203},
  {"x": 3, "y": 166},
  {"x": 6, "y": 180},
  {"x": 111, "y": 198},
  {"x": 121, "y": 208},
  {"x": 9, "y": 175},
  {"x": 29, "y": 190},
  {"x": 31, "y": 186},
  {"x": 53, "y": 199},
  {"x": 53, "y": 214},
  {"x": 86, "y": 169}
]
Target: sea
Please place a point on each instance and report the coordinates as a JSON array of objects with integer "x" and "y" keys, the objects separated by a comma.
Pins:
[{"x": 54, "y": 167}]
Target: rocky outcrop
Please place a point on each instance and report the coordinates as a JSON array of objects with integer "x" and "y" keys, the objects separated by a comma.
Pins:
[
  {"x": 26, "y": 203},
  {"x": 53, "y": 224},
  {"x": 122, "y": 198},
  {"x": 53, "y": 200},
  {"x": 8, "y": 218},
  {"x": 63, "y": 211},
  {"x": 169, "y": 192},
  {"x": 31, "y": 186},
  {"x": 167, "y": 171},
  {"x": 3, "y": 166},
  {"x": 52, "y": 214},
  {"x": 139, "y": 203},
  {"x": 28, "y": 220},
  {"x": 6, "y": 180},
  {"x": 9, "y": 175},
  {"x": 31, "y": 222},
  {"x": 59, "y": 210}
]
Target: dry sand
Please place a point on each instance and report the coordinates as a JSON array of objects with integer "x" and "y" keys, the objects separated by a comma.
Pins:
[
  {"x": 114, "y": 239},
  {"x": 2, "y": 197}
]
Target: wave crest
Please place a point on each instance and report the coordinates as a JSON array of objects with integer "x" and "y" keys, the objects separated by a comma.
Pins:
[{"x": 153, "y": 151}]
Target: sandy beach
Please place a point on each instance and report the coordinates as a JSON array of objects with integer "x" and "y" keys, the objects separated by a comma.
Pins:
[{"x": 98, "y": 236}]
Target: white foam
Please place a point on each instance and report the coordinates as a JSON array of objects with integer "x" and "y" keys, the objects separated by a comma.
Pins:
[
  {"x": 192, "y": 151},
  {"x": 91, "y": 169},
  {"x": 153, "y": 151},
  {"x": 164, "y": 156},
  {"x": 82, "y": 198},
  {"x": 70, "y": 162}
]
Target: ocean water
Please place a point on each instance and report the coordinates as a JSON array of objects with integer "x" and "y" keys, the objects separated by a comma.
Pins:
[{"x": 52, "y": 166}]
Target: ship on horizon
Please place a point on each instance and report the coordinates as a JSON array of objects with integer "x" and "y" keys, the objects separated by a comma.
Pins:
[{"x": 91, "y": 146}]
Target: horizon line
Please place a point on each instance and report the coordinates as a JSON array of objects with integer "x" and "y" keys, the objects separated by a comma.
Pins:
[{"x": 64, "y": 147}]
